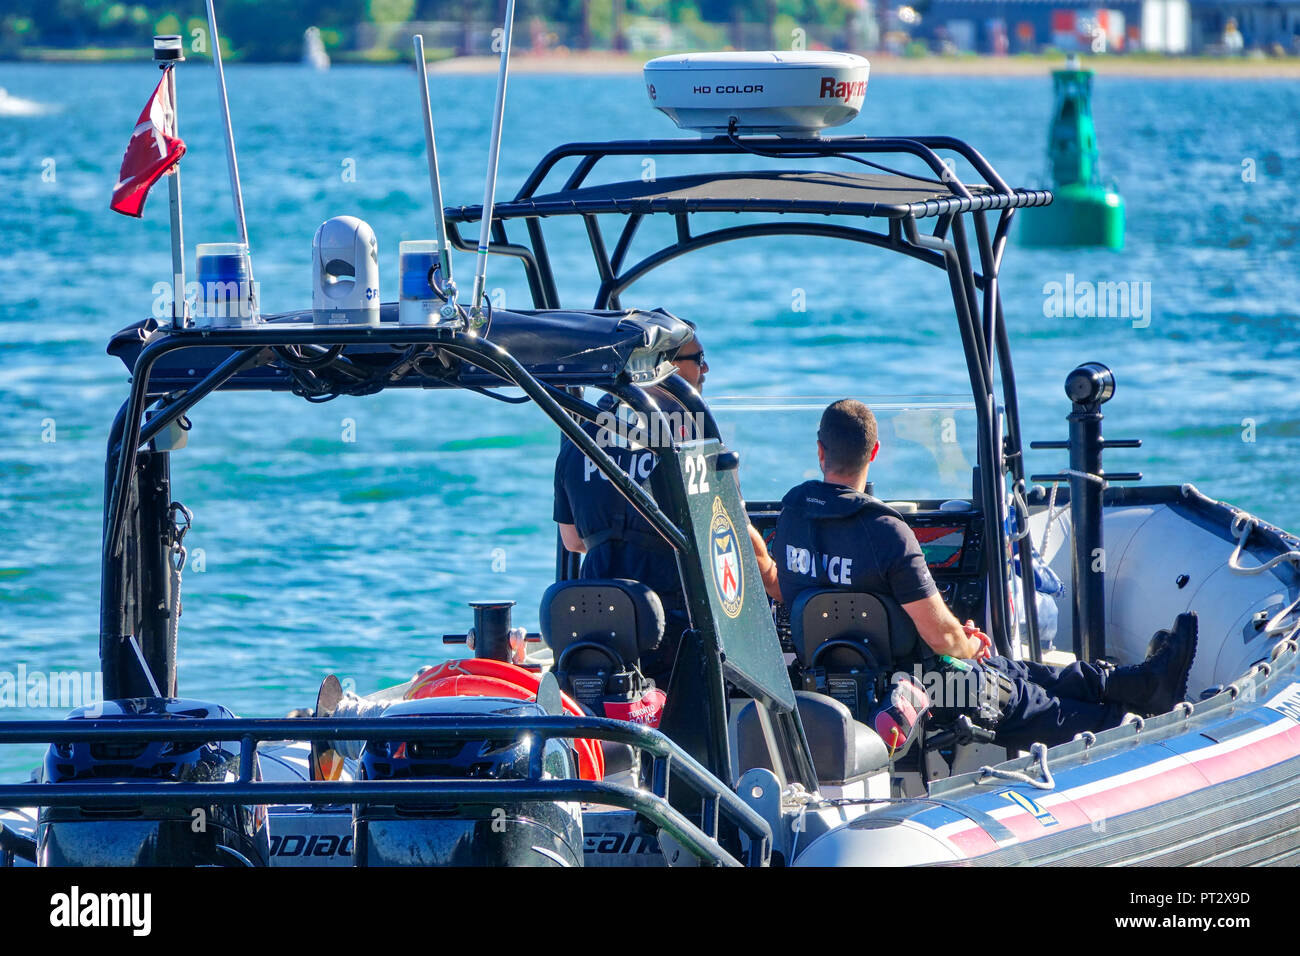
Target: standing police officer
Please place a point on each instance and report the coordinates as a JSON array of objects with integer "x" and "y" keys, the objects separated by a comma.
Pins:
[
  {"x": 832, "y": 534},
  {"x": 598, "y": 522}
]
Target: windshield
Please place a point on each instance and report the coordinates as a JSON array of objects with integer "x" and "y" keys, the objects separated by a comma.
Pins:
[{"x": 927, "y": 444}]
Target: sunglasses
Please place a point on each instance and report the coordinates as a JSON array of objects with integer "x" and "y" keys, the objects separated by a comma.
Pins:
[{"x": 696, "y": 357}]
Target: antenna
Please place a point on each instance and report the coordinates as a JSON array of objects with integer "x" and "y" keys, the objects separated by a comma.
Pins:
[
  {"x": 236, "y": 193},
  {"x": 444, "y": 250},
  {"x": 494, "y": 150}
]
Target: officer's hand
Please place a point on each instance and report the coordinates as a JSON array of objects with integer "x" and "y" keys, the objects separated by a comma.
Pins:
[
  {"x": 766, "y": 566},
  {"x": 986, "y": 644}
]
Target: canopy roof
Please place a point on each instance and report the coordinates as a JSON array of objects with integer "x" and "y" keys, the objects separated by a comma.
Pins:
[
  {"x": 814, "y": 192},
  {"x": 559, "y": 347}
]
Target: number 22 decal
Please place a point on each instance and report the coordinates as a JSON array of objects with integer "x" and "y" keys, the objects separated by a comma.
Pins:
[{"x": 697, "y": 470}]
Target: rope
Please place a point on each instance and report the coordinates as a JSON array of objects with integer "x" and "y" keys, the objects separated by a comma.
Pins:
[
  {"x": 1039, "y": 752},
  {"x": 795, "y": 793},
  {"x": 1022, "y": 508},
  {"x": 175, "y": 565},
  {"x": 1247, "y": 523},
  {"x": 1086, "y": 475},
  {"x": 174, "y": 612},
  {"x": 1242, "y": 525},
  {"x": 1052, "y": 516}
]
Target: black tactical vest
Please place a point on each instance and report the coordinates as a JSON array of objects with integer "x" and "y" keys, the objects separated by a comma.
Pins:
[{"x": 825, "y": 539}]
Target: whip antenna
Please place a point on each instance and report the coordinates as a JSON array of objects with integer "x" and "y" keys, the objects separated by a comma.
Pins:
[
  {"x": 236, "y": 193},
  {"x": 444, "y": 250},
  {"x": 494, "y": 150},
  {"x": 233, "y": 164}
]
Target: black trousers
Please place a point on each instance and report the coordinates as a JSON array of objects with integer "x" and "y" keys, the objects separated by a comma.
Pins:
[{"x": 1052, "y": 704}]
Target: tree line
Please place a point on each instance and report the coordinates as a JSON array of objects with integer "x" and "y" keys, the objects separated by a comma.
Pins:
[{"x": 273, "y": 29}]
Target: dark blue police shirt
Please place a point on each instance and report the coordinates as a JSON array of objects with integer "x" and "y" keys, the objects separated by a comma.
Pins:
[
  {"x": 588, "y": 500},
  {"x": 830, "y": 536}
]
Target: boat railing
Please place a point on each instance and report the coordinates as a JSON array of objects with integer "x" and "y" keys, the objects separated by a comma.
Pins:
[{"x": 668, "y": 762}]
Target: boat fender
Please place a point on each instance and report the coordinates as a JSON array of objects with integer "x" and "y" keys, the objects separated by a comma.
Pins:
[{"x": 508, "y": 680}]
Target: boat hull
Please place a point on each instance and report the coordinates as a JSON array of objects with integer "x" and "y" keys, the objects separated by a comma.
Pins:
[{"x": 1214, "y": 784}]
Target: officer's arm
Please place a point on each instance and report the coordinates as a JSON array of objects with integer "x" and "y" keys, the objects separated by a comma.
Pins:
[
  {"x": 572, "y": 540},
  {"x": 766, "y": 566},
  {"x": 941, "y": 631}
]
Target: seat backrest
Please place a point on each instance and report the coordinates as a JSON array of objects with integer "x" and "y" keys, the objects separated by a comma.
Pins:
[
  {"x": 825, "y": 624},
  {"x": 842, "y": 749},
  {"x": 599, "y": 627}
]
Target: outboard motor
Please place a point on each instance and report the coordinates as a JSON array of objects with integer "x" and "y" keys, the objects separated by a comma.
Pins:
[
  {"x": 423, "y": 833},
  {"x": 139, "y": 833}
]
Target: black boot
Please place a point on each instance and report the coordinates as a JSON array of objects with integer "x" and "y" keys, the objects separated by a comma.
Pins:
[{"x": 1158, "y": 683}]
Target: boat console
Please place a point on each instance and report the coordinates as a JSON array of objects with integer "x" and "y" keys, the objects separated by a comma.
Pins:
[
  {"x": 951, "y": 538},
  {"x": 953, "y": 543}
]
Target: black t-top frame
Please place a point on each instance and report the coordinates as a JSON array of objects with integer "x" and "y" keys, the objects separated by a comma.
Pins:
[{"x": 967, "y": 226}]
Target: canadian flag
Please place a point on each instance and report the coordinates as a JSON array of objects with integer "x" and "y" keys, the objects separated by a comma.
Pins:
[{"x": 150, "y": 153}]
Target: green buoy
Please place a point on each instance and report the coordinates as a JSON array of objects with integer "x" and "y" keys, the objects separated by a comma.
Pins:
[{"x": 1084, "y": 212}]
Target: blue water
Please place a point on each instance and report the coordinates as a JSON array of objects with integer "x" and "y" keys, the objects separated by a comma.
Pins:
[{"x": 322, "y": 554}]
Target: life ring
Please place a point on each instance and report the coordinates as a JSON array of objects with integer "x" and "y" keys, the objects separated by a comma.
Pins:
[{"x": 482, "y": 677}]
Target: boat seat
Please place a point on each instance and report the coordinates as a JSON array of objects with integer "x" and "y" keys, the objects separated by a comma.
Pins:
[
  {"x": 843, "y": 750},
  {"x": 848, "y": 642},
  {"x": 598, "y": 629},
  {"x": 601, "y": 621}
]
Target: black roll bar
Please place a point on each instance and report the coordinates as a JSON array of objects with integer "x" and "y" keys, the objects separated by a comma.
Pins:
[{"x": 669, "y": 762}]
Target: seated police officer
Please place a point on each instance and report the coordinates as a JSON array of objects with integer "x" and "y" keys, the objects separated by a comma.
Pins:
[{"x": 832, "y": 534}]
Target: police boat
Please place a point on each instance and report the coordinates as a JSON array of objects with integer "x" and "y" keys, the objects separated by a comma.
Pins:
[{"x": 765, "y": 745}]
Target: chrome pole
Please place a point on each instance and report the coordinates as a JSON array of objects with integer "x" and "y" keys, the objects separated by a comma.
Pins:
[
  {"x": 435, "y": 184},
  {"x": 231, "y": 162},
  {"x": 494, "y": 151},
  {"x": 167, "y": 52},
  {"x": 237, "y": 194}
]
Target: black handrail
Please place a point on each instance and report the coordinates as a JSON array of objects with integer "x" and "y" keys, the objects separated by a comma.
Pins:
[
  {"x": 471, "y": 792},
  {"x": 668, "y": 760}
]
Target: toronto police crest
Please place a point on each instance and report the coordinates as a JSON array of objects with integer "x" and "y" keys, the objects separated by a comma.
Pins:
[{"x": 724, "y": 549}]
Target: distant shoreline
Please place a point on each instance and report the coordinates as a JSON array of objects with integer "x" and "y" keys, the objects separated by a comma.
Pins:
[
  {"x": 884, "y": 65},
  {"x": 609, "y": 63}
]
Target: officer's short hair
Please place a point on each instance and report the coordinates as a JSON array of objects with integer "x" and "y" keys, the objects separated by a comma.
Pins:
[{"x": 847, "y": 432}]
